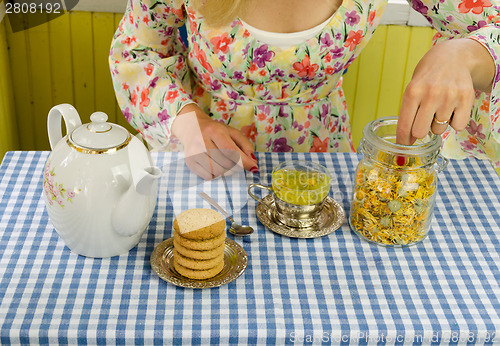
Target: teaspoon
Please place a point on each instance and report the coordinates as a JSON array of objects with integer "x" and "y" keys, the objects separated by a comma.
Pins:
[{"x": 235, "y": 228}]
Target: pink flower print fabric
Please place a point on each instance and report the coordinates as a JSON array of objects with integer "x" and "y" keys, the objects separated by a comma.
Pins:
[{"x": 281, "y": 99}]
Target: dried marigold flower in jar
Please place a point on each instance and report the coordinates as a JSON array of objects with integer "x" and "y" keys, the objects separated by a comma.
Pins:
[{"x": 395, "y": 185}]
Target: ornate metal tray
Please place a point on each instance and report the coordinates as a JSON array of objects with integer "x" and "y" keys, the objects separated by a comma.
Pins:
[
  {"x": 331, "y": 218},
  {"x": 235, "y": 263}
]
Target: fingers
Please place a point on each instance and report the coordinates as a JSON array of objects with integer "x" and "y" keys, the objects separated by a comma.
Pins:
[
  {"x": 211, "y": 148},
  {"x": 441, "y": 90},
  {"x": 458, "y": 117},
  {"x": 214, "y": 163},
  {"x": 223, "y": 159},
  {"x": 234, "y": 140},
  {"x": 441, "y": 119},
  {"x": 200, "y": 165},
  {"x": 409, "y": 108},
  {"x": 242, "y": 141},
  {"x": 423, "y": 120},
  {"x": 221, "y": 153},
  {"x": 248, "y": 157},
  {"x": 422, "y": 112},
  {"x": 462, "y": 112}
]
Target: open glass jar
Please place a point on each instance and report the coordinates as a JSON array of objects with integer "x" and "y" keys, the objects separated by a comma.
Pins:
[{"x": 395, "y": 186}]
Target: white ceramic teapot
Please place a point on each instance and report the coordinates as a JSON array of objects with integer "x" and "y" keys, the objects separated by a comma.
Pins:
[{"x": 99, "y": 183}]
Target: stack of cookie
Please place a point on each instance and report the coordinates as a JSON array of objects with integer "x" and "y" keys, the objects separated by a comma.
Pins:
[{"x": 199, "y": 237}]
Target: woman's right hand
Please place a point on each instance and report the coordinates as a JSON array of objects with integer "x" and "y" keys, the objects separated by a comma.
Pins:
[{"x": 212, "y": 148}]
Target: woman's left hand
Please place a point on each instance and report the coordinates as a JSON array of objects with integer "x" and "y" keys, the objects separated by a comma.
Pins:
[{"x": 441, "y": 91}]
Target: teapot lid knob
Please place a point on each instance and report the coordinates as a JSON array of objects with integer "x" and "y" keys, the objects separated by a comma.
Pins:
[
  {"x": 99, "y": 117},
  {"x": 99, "y": 136},
  {"x": 98, "y": 123}
]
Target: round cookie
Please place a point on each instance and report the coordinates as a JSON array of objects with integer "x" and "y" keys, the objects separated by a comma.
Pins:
[
  {"x": 199, "y": 224},
  {"x": 197, "y": 264},
  {"x": 208, "y": 244},
  {"x": 198, "y": 254},
  {"x": 198, "y": 274}
]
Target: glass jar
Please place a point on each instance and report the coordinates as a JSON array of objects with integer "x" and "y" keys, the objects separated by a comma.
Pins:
[{"x": 395, "y": 186}]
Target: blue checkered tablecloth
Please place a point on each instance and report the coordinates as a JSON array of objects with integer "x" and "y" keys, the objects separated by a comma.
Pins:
[{"x": 334, "y": 289}]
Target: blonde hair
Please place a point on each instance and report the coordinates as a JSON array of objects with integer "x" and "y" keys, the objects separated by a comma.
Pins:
[{"x": 219, "y": 12}]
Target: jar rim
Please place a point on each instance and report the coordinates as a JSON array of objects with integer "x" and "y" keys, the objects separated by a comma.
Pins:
[{"x": 427, "y": 145}]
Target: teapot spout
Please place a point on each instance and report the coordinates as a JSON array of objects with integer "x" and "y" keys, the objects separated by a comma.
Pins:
[
  {"x": 144, "y": 173},
  {"x": 145, "y": 179},
  {"x": 135, "y": 208}
]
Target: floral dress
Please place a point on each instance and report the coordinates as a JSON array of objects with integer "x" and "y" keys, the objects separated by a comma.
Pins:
[{"x": 281, "y": 99}]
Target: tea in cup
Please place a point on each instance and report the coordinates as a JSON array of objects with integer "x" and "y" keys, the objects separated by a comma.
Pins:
[{"x": 299, "y": 190}]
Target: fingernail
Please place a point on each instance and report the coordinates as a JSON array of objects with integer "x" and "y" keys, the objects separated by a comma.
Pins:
[
  {"x": 400, "y": 160},
  {"x": 254, "y": 169},
  {"x": 253, "y": 156}
]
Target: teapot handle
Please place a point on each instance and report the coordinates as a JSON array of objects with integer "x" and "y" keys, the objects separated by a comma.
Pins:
[{"x": 71, "y": 120}]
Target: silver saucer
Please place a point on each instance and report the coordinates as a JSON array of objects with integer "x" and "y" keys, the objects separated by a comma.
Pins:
[
  {"x": 331, "y": 218},
  {"x": 235, "y": 263}
]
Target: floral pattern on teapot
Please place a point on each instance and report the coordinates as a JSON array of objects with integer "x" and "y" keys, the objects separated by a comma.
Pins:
[{"x": 55, "y": 193}]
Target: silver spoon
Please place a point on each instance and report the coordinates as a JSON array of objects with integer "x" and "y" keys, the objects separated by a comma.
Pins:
[{"x": 235, "y": 228}]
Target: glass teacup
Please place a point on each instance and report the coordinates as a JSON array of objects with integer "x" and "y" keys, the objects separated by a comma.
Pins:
[{"x": 299, "y": 190}]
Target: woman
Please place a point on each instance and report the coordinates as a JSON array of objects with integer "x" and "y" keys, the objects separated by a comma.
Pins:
[{"x": 267, "y": 76}]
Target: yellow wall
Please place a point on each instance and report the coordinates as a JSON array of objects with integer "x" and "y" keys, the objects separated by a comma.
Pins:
[
  {"x": 375, "y": 82},
  {"x": 62, "y": 61},
  {"x": 65, "y": 60},
  {"x": 8, "y": 124}
]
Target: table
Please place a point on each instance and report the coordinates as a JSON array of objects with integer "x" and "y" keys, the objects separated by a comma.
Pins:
[{"x": 334, "y": 289}]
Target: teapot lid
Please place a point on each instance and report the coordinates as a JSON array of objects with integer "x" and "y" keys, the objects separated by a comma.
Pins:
[{"x": 99, "y": 136}]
